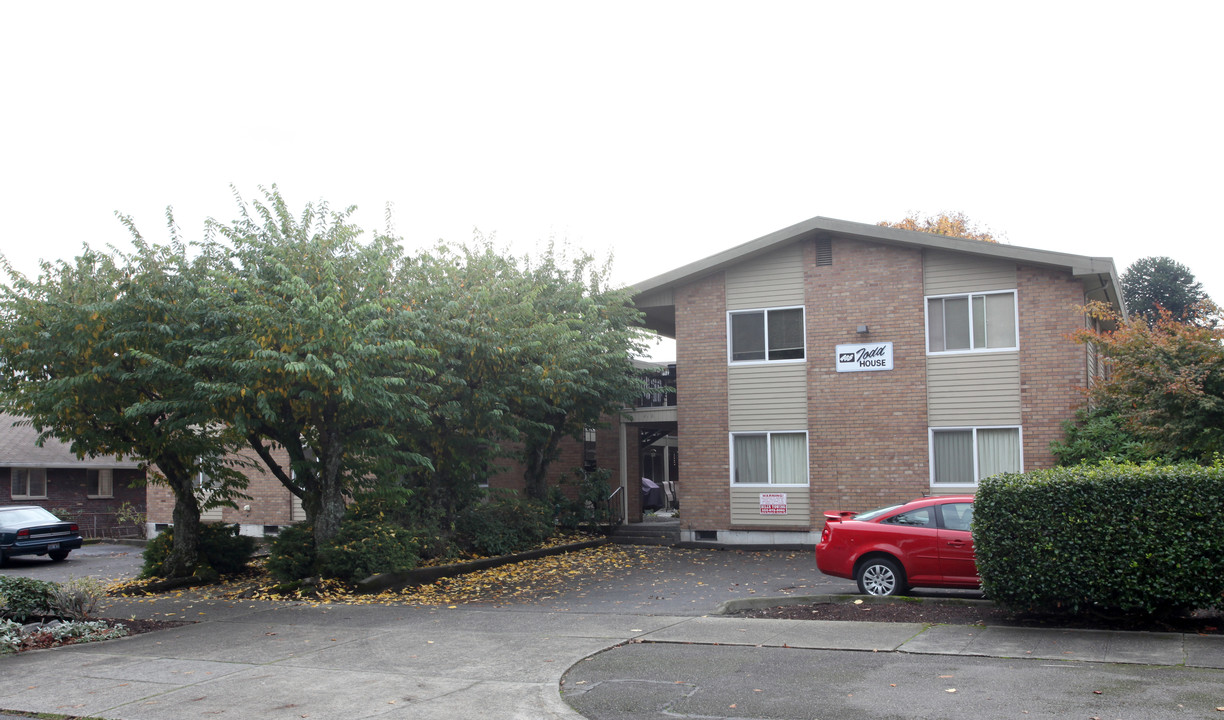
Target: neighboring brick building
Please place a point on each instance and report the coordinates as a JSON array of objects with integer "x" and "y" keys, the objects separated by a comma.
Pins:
[
  {"x": 86, "y": 491},
  {"x": 837, "y": 365}
]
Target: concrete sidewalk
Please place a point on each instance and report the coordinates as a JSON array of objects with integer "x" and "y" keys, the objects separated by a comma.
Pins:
[{"x": 282, "y": 660}]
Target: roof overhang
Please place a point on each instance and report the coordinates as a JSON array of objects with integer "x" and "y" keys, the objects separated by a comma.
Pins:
[{"x": 655, "y": 296}]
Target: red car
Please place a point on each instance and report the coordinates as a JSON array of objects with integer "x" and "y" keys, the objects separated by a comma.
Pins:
[{"x": 924, "y": 543}]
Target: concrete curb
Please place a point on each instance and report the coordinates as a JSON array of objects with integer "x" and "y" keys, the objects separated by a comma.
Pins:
[
  {"x": 420, "y": 576},
  {"x": 755, "y": 603}
]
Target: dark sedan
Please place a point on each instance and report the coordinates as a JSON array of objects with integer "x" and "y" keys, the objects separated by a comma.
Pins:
[{"x": 31, "y": 530}]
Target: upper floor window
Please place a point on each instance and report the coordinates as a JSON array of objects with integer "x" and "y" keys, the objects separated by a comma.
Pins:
[
  {"x": 29, "y": 483},
  {"x": 968, "y": 323},
  {"x": 766, "y": 335}
]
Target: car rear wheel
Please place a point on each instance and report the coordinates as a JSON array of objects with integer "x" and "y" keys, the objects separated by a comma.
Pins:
[
  {"x": 880, "y": 576},
  {"x": 58, "y": 555}
]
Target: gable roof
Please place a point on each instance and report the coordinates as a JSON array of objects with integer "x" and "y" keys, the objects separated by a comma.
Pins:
[
  {"x": 18, "y": 448},
  {"x": 653, "y": 295}
]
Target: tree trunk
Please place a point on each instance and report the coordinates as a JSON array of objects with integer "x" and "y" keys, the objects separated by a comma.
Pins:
[
  {"x": 539, "y": 455},
  {"x": 185, "y": 550},
  {"x": 331, "y": 504}
]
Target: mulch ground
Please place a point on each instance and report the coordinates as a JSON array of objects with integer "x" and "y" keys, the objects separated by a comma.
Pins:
[{"x": 1200, "y": 622}]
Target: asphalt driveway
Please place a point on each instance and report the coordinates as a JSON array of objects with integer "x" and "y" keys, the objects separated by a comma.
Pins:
[
  {"x": 644, "y": 645},
  {"x": 103, "y": 561}
]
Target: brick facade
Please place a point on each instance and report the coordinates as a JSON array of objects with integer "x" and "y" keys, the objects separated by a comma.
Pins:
[
  {"x": 68, "y": 497},
  {"x": 701, "y": 404},
  {"x": 269, "y": 504},
  {"x": 867, "y": 430},
  {"x": 1053, "y": 367}
]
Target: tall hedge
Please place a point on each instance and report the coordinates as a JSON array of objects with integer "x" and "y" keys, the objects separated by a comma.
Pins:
[{"x": 1106, "y": 539}]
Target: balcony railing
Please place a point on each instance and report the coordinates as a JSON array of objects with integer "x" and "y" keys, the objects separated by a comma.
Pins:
[{"x": 663, "y": 389}]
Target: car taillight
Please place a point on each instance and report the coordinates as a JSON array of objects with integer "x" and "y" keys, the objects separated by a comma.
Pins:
[
  {"x": 74, "y": 528},
  {"x": 23, "y": 532},
  {"x": 825, "y": 533}
]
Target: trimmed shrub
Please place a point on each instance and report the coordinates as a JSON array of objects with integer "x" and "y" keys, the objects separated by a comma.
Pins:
[
  {"x": 367, "y": 546},
  {"x": 26, "y": 598},
  {"x": 503, "y": 525},
  {"x": 222, "y": 550},
  {"x": 1109, "y": 539},
  {"x": 292, "y": 555}
]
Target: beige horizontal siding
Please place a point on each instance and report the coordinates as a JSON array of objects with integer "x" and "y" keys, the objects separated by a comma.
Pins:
[
  {"x": 973, "y": 389},
  {"x": 948, "y": 273},
  {"x": 212, "y": 514},
  {"x": 746, "y": 506},
  {"x": 775, "y": 280},
  {"x": 767, "y": 397}
]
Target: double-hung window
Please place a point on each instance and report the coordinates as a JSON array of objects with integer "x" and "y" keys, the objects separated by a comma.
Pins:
[
  {"x": 769, "y": 458},
  {"x": 963, "y": 456},
  {"x": 28, "y": 483},
  {"x": 969, "y": 323},
  {"x": 769, "y": 335}
]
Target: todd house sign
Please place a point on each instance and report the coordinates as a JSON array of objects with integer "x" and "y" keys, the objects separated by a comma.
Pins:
[{"x": 865, "y": 357}]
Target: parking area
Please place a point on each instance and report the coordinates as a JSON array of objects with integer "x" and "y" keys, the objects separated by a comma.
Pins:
[{"x": 104, "y": 561}]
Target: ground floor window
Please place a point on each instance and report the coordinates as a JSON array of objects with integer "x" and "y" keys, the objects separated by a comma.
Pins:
[
  {"x": 29, "y": 483},
  {"x": 101, "y": 483},
  {"x": 963, "y": 456},
  {"x": 769, "y": 458}
]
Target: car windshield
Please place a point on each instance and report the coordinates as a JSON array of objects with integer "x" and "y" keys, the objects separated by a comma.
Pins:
[
  {"x": 873, "y": 514},
  {"x": 26, "y": 516}
]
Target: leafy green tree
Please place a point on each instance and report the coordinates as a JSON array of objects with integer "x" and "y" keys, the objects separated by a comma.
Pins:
[
  {"x": 579, "y": 365},
  {"x": 472, "y": 301},
  {"x": 327, "y": 360},
  {"x": 952, "y": 224},
  {"x": 1151, "y": 283},
  {"x": 1166, "y": 381},
  {"x": 530, "y": 351},
  {"x": 102, "y": 354}
]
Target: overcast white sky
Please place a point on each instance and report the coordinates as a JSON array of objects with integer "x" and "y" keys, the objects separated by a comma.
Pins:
[{"x": 660, "y": 132}]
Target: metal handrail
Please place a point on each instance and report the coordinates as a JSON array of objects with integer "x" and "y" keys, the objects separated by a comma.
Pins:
[{"x": 614, "y": 518}]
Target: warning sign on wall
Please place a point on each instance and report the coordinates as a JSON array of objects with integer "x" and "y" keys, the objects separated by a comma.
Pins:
[{"x": 773, "y": 503}]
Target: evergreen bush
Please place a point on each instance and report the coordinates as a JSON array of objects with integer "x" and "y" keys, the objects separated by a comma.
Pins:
[
  {"x": 367, "y": 546},
  {"x": 1110, "y": 539},
  {"x": 292, "y": 555},
  {"x": 222, "y": 550},
  {"x": 25, "y": 598},
  {"x": 503, "y": 525}
]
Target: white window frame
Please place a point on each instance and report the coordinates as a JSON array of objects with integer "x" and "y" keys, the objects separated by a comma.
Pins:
[
  {"x": 974, "y": 428},
  {"x": 103, "y": 483},
  {"x": 765, "y": 318},
  {"x": 29, "y": 472},
  {"x": 203, "y": 483},
  {"x": 926, "y": 317},
  {"x": 807, "y": 463}
]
